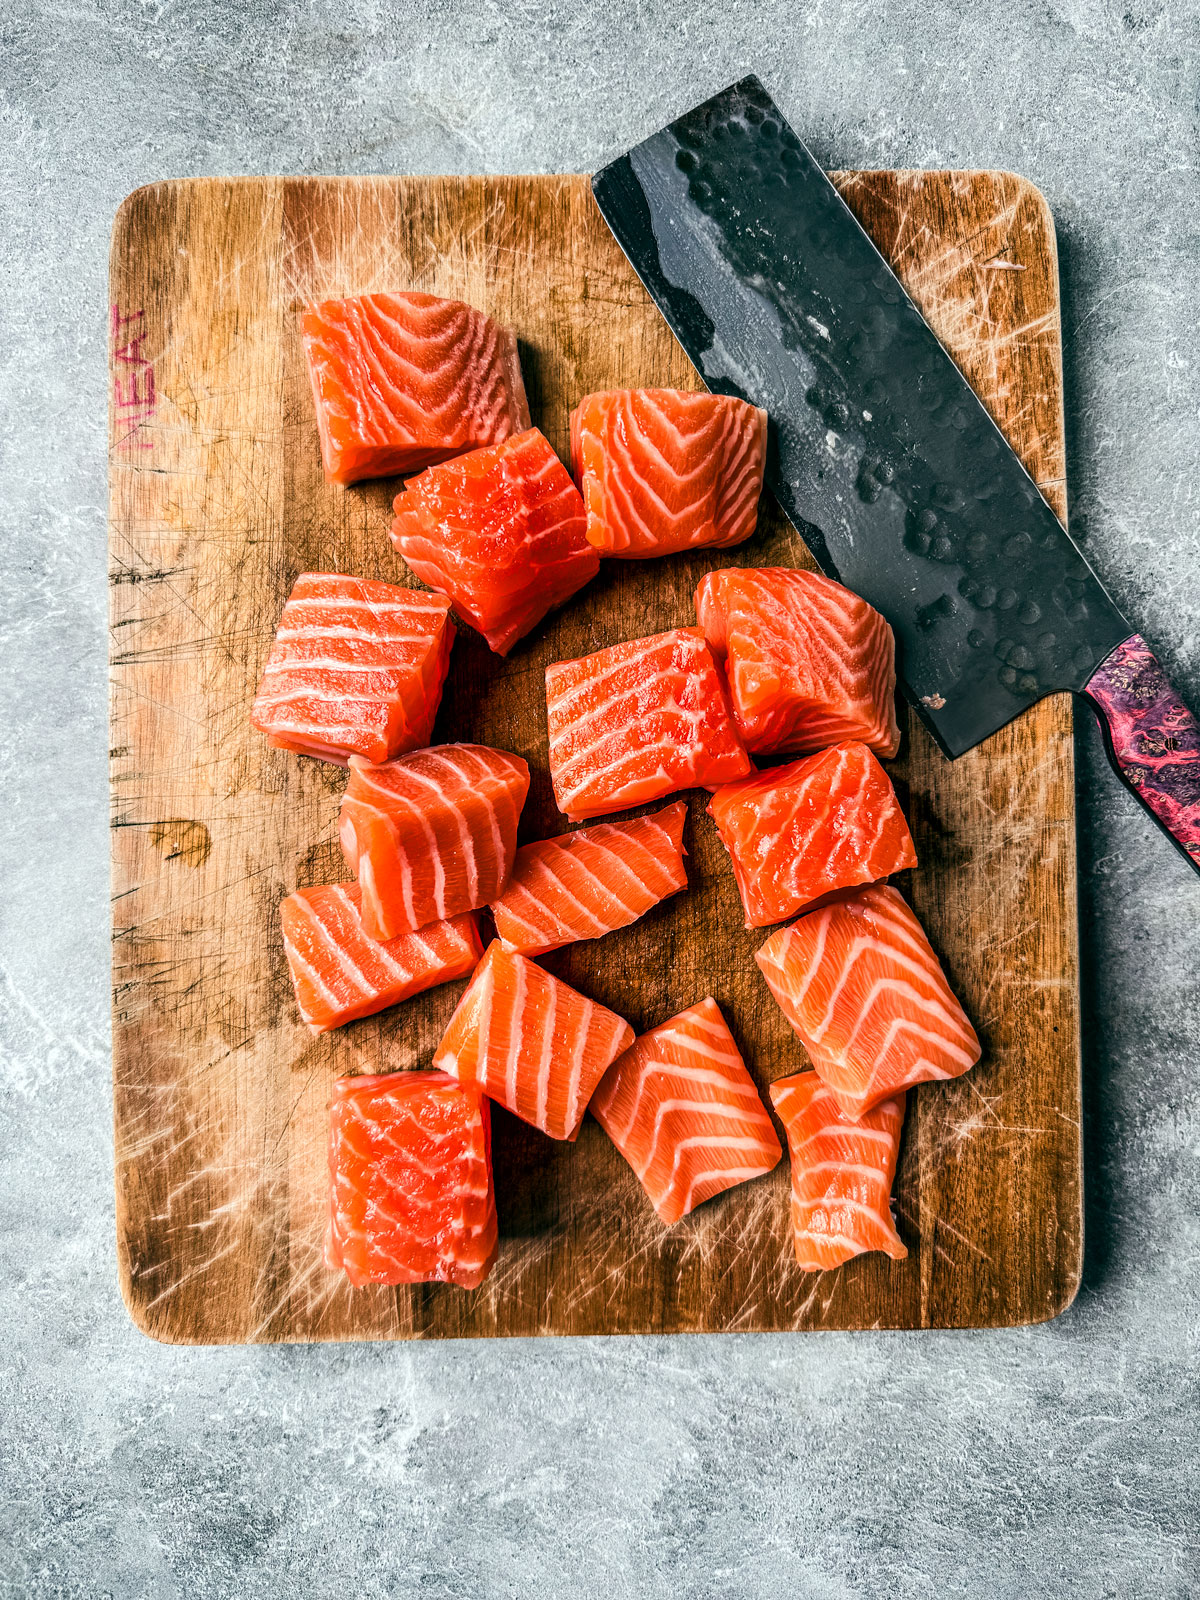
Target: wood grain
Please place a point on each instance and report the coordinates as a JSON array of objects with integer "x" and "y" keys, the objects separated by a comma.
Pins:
[{"x": 217, "y": 503}]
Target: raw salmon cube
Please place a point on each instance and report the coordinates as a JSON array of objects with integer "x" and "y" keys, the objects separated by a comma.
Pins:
[
  {"x": 500, "y": 531},
  {"x": 403, "y": 380},
  {"x": 340, "y": 973},
  {"x": 861, "y": 986},
  {"x": 808, "y": 663},
  {"x": 795, "y": 833},
  {"x": 356, "y": 668},
  {"x": 531, "y": 1042},
  {"x": 410, "y": 1166},
  {"x": 431, "y": 834},
  {"x": 663, "y": 470},
  {"x": 638, "y": 721},
  {"x": 842, "y": 1173},
  {"x": 683, "y": 1111},
  {"x": 585, "y": 884}
]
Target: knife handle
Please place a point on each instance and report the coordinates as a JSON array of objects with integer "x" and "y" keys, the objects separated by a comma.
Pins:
[{"x": 1153, "y": 739}]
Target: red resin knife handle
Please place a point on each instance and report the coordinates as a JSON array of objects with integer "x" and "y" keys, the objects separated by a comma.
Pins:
[{"x": 1153, "y": 739}]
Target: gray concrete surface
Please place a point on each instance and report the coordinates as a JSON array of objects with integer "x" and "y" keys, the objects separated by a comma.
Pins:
[{"x": 1057, "y": 1461}]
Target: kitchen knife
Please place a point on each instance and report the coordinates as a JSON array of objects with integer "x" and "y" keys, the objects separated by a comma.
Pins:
[{"x": 880, "y": 452}]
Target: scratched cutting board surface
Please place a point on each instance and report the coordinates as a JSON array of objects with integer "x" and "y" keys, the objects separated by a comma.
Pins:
[{"x": 218, "y": 502}]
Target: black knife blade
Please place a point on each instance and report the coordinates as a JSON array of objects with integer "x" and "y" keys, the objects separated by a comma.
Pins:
[{"x": 880, "y": 451}]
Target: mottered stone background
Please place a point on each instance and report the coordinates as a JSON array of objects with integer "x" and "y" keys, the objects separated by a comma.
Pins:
[{"x": 1057, "y": 1460}]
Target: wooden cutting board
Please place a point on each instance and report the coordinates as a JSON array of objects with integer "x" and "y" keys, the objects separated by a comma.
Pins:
[{"x": 218, "y": 503}]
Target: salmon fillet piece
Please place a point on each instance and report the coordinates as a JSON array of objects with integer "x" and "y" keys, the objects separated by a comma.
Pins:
[
  {"x": 861, "y": 986},
  {"x": 431, "y": 834},
  {"x": 798, "y": 832},
  {"x": 500, "y": 531},
  {"x": 531, "y": 1042},
  {"x": 401, "y": 381},
  {"x": 410, "y": 1166},
  {"x": 682, "y": 1109},
  {"x": 585, "y": 884},
  {"x": 808, "y": 663},
  {"x": 340, "y": 973},
  {"x": 842, "y": 1173},
  {"x": 638, "y": 721},
  {"x": 664, "y": 470},
  {"x": 357, "y": 668}
]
